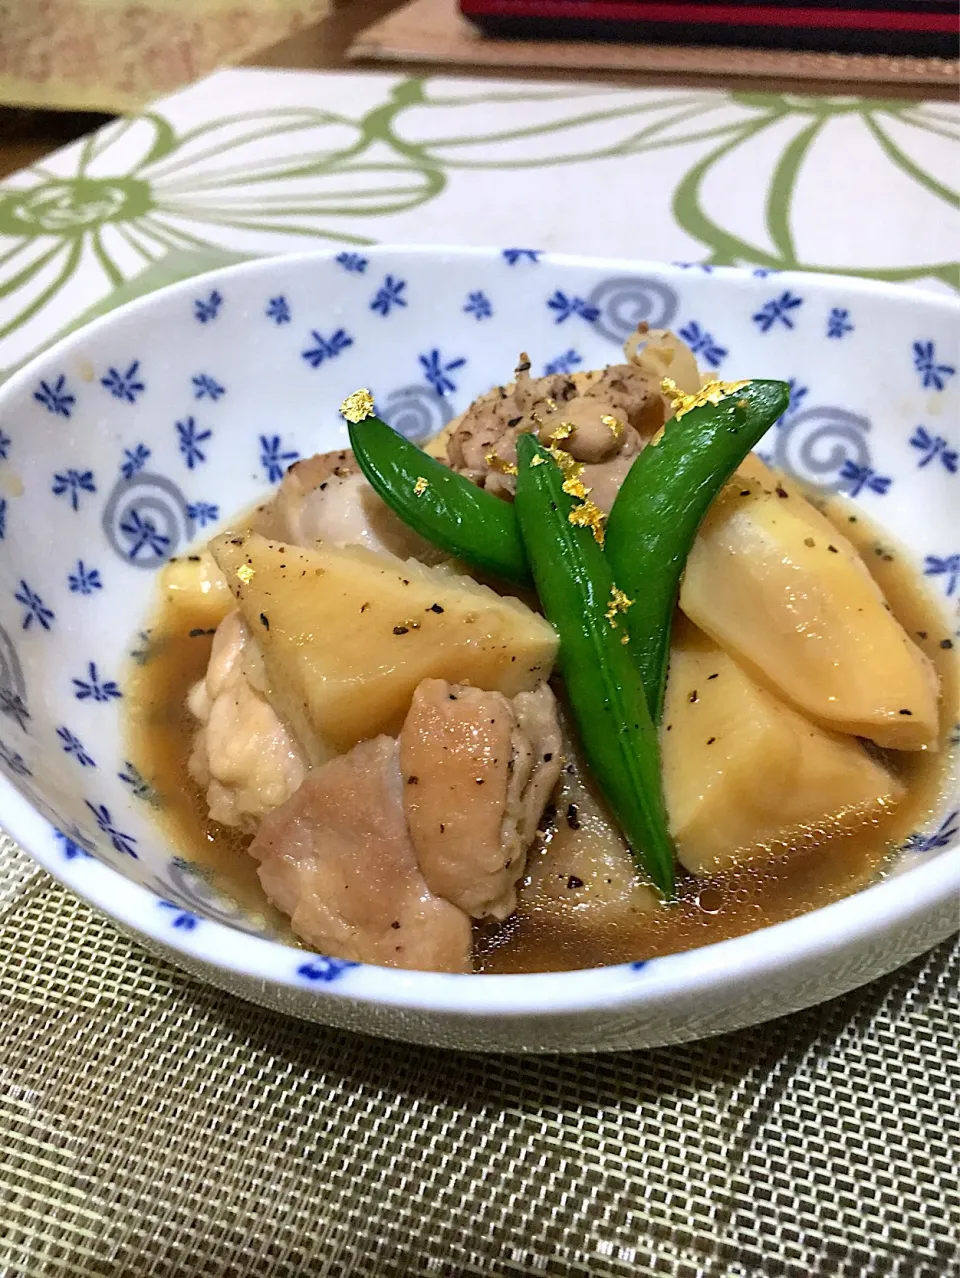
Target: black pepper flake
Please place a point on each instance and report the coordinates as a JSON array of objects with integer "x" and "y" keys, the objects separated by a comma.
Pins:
[
  {"x": 514, "y": 421},
  {"x": 405, "y": 580},
  {"x": 193, "y": 559},
  {"x": 833, "y": 550},
  {"x": 265, "y": 621},
  {"x": 573, "y": 882},
  {"x": 744, "y": 492},
  {"x": 922, "y": 634},
  {"x": 716, "y": 675},
  {"x": 906, "y": 712},
  {"x": 442, "y": 827},
  {"x": 669, "y": 727},
  {"x": 195, "y": 634},
  {"x": 395, "y": 924},
  {"x": 400, "y": 630},
  {"x": 548, "y": 756},
  {"x": 573, "y": 817},
  {"x": 781, "y": 491},
  {"x": 946, "y": 643},
  {"x": 693, "y": 697},
  {"x": 365, "y": 606},
  {"x": 524, "y": 367},
  {"x": 887, "y": 558},
  {"x": 435, "y": 608},
  {"x": 710, "y": 740},
  {"x": 851, "y": 519},
  {"x": 479, "y": 780},
  {"x": 236, "y": 541},
  {"x": 808, "y": 541},
  {"x": 413, "y": 780}
]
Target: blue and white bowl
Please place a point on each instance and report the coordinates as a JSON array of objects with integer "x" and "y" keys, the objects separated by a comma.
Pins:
[{"x": 140, "y": 434}]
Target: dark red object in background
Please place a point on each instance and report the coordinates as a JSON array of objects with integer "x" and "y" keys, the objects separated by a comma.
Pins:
[{"x": 926, "y": 28}]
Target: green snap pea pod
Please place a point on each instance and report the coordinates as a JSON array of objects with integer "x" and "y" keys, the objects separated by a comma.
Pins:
[
  {"x": 661, "y": 505},
  {"x": 576, "y": 589},
  {"x": 438, "y": 503}
]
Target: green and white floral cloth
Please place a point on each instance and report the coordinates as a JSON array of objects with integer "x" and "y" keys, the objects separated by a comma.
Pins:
[{"x": 250, "y": 162}]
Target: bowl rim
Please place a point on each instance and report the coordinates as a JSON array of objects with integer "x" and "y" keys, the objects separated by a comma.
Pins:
[{"x": 895, "y": 902}]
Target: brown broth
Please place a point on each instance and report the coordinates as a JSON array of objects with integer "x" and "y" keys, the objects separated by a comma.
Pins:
[
  {"x": 160, "y": 729},
  {"x": 726, "y": 905}
]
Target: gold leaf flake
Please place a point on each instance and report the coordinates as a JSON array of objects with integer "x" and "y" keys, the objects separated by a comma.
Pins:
[
  {"x": 421, "y": 486},
  {"x": 538, "y": 460},
  {"x": 709, "y": 393},
  {"x": 498, "y": 464},
  {"x": 245, "y": 573},
  {"x": 589, "y": 515},
  {"x": 563, "y": 431},
  {"x": 615, "y": 426},
  {"x": 618, "y": 603},
  {"x": 358, "y": 406}
]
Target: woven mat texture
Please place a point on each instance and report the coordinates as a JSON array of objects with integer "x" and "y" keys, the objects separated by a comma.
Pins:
[{"x": 150, "y": 1125}]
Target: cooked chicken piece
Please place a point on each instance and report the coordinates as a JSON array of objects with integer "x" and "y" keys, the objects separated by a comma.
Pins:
[
  {"x": 621, "y": 392},
  {"x": 243, "y": 754},
  {"x": 604, "y": 478},
  {"x": 612, "y": 412},
  {"x": 337, "y": 858},
  {"x": 478, "y": 770},
  {"x": 326, "y": 499}
]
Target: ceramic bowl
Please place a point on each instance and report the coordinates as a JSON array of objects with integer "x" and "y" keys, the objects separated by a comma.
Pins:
[{"x": 140, "y": 434}]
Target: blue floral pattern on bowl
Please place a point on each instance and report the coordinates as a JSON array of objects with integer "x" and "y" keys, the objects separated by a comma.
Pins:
[{"x": 134, "y": 437}]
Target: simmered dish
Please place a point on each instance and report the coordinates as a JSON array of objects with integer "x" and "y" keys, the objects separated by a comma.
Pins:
[{"x": 582, "y": 682}]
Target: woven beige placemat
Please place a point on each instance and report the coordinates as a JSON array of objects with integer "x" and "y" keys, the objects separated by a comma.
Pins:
[
  {"x": 434, "y": 31},
  {"x": 150, "y": 1125}
]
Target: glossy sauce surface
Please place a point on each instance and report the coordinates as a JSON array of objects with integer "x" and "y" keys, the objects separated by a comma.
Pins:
[{"x": 708, "y": 910}]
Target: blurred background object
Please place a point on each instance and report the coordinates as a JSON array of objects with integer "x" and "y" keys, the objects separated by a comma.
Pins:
[
  {"x": 436, "y": 32},
  {"x": 110, "y": 55},
  {"x": 924, "y": 28}
]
